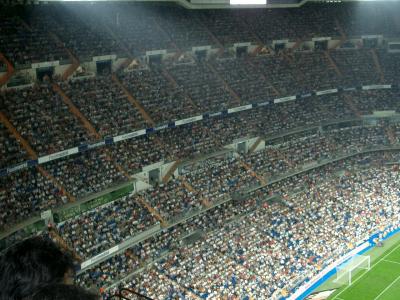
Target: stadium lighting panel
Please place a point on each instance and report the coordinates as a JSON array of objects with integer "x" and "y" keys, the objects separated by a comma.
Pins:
[{"x": 248, "y": 2}]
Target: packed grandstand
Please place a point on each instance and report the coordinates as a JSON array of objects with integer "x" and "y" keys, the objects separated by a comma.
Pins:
[{"x": 199, "y": 154}]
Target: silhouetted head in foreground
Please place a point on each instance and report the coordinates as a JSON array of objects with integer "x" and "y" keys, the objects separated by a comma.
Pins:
[
  {"x": 62, "y": 292},
  {"x": 32, "y": 264}
]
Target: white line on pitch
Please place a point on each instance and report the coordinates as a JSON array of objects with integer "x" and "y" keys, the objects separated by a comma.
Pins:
[
  {"x": 391, "y": 261},
  {"x": 387, "y": 288},
  {"x": 383, "y": 258}
]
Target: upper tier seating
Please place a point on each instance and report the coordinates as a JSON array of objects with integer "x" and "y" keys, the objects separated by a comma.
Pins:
[
  {"x": 246, "y": 80},
  {"x": 23, "y": 45},
  {"x": 357, "y": 67},
  {"x": 118, "y": 28},
  {"x": 294, "y": 24},
  {"x": 203, "y": 86},
  {"x": 42, "y": 118},
  {"x": 105, "y": 105},
  {"x": 163, "y": 101},
  {"x": 390, "y": 64}
]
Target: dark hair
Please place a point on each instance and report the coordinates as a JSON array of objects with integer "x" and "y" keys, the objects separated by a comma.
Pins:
[
  {"x": 31, "y": 264},
  {"x": 63, "y": 292}
]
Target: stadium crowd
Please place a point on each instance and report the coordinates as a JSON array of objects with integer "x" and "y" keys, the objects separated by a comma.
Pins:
[
  {"x": 105, "y": 105},
  {"x": 299, "y": 239},
  {"x": 164, "y": 102},
  {"x": 100, "y": 229},
  {"x": 205, "y": 182},
  {"x": 96, "y": 170},
  {"x": 226, "y": 262},
  {"x": 42, "y": 118}
]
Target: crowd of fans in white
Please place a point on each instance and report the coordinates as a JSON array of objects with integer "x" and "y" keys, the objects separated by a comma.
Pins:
[
  {"x": 241, "y": 259},
  {"x": 248, "y": 250},
  {"x": 275, "y": 247}
]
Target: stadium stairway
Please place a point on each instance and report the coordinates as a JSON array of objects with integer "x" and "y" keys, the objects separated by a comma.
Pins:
[
  {"x": 255, "y": 145},
  {"x": 33, "y": 155},
  {"x": 171, "y": 171},
  {"x": 172, "y": 80},
  {"x": 10, "y": 70},
  {"x": 260, "y": 43},
  {"x": 88, "y": 126},
  {"x": 343, "y": 37},
  {"x": 349, "y": 100},
  {"x": 226, "y": 86},
  {"x": 123, "y": 46},
  {"x": 391, "y": 134},
  {"x": 138, "y": 106},
  {"x": 74, "y": 60},
  {"x": 333, "y": 64},
  {"x": 212, "y": 35},
  {"x": 125, "y": 64},
  {"x": 134, "y": 101},
  {"x": 187, "y": 185},
  {"x": 252, "y": 173},
  {"x": 178, "y": 51},
  {"x": 287, "y": 56},
  {"x": 190, "y": 188},
  {"x": 285, "y": 159},
  {"x": 377, "y": 65},
  {"x": 263, "y": 75},
  {"x": 53, "y": 232},
  {"x": 169, "y": 77},
  {"x": 152, "y": 211},
  {"x": 73, "y": 67}
]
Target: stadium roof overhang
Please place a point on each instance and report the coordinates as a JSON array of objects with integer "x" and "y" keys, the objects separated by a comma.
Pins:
[{"x": 216, "y": 4}]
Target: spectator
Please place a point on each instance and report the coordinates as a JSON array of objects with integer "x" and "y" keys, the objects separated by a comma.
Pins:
[{"x": 31, "y": 264}]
